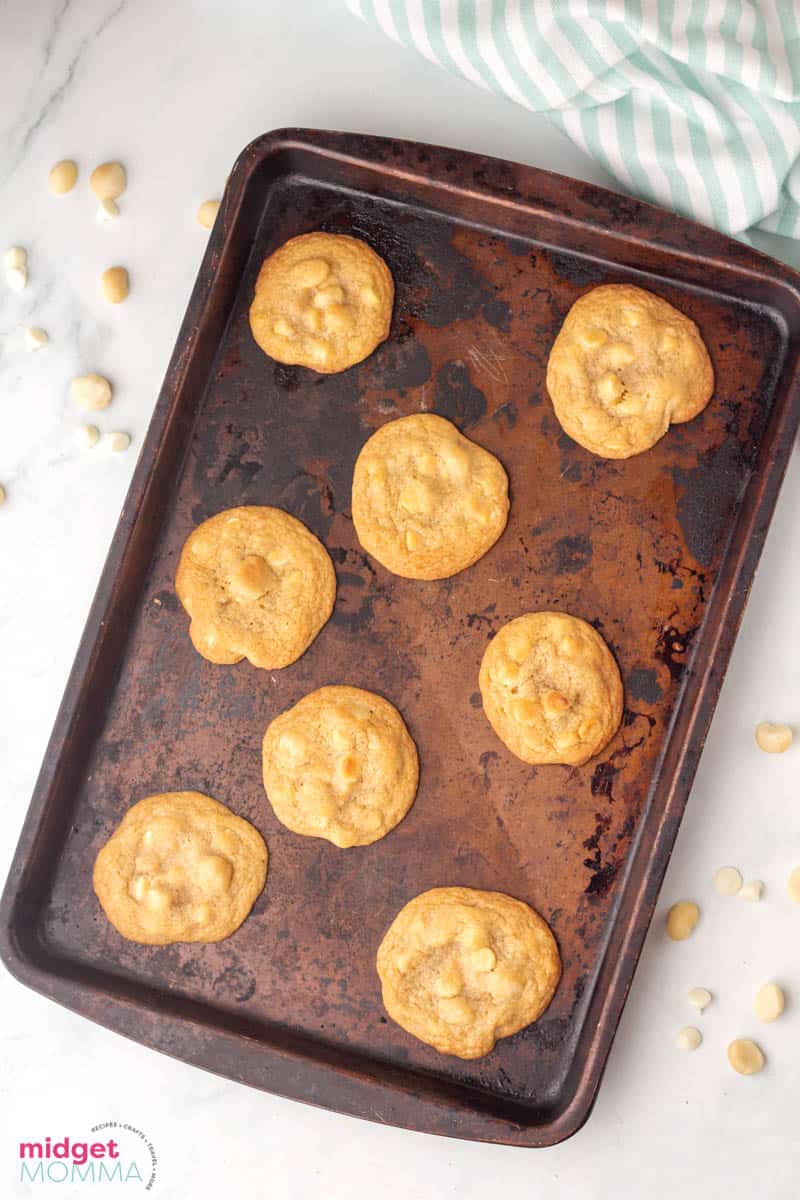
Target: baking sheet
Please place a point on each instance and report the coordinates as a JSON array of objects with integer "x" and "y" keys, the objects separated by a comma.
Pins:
[{"x": 657, "y": 551}]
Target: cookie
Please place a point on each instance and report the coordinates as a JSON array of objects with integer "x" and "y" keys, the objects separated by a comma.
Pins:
[
  {"x": 461, "y": 968},
  {"x": 257, "y": 585},
  {"x": 180, "y": 867},
  {"x": 340, "y": 765},
  {"x": 322, "y": 300},
  {"x": 427, "y": 502},
  {"x": 551, "y": 689},
  {"x": 624, "y": 367}
]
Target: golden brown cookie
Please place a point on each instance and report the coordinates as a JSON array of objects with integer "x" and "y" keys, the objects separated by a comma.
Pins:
[
  {"x": 180, "y": 867},
  {"x": 257, "y": 585},
  {"x": 322, "y": 300},
  {"x": 427, "y": 502},
  {"x": 551, "y": 688},
  {"x": 461, "y": 968},
  {"x": 624, "y": 367},
  {"x": 340, "y": 765}
]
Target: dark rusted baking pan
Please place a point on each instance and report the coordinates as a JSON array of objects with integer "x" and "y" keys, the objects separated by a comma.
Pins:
[{"x": 658, "y": 551}]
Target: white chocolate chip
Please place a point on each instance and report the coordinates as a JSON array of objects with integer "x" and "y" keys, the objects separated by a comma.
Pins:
[
  {"x": 455, "y": 1010},
  {"x": 699, "y": 998},
  {"x": 773, "y": 739},
  {"x": 157, "y": 898},
  {"x": 502, "y": 984},
  {"x": 770, "y": 1002},
  {"x": 793, "y": 885},
  {"x": 138, "y": 887},
  {"x": 318, "y": 350},
  {"x": 309, "y": 272},
  {"x": 107, "y": 210},
  {"x": 745, "y": 1057},
  {"x": 728, "y": 881},
  {"x": 524, "y": 710},
  {"x": 115, "y": 285},
  {"x": 87, "y": 436},
  {"x": 416, "y": 497},
  {"x": 207, "y": 213},
  {"x": 63, "y": 177},
  {"x": 448, "y": 982},
  {"x": 312, "y": 319},
  {"x": 35, "y": 338},
  {"x": 619, "y": 354},
  {"x": 402, "y": 961},
  {"x": 17, "y": 278},
  {"x": 484, "y": 959},
  {"x": 609, "y": 387},
  {"x": 119, "y": 442},
  {"x": 15, "y": 258},
  {"x": 681, "y": 920},
  {"x": 91, "y": 392},
  {"x": 293, "y": 749},
  {"x": 214, "y": 873},
  {"x": 330, "y": 294},
  {"x": 752, "y": 891},
  {"x": 689, "y": 1038},
  {"x": 591, "y": 338},
  {"x": 108, "y": 181}
]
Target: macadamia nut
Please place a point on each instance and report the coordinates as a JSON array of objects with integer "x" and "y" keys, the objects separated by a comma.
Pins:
[
  {"x": 770, "y": 1002},
  {"x": 15, "y": 261},
  {"x": 62, "y": 177},
  {"x": 87, "y": 436},
  {"x": 91, "y": 392},
  {"x": 15, "y": 257},
  {"x": 207, "y": 213},
  {"x": 107, "y": 210},
  {"x": 745, "y": 1057},
  {"x": 728, "y": 881},
  {"x": 773, "y": 739},
  {"x": 115, "y": 285},
  {"x": 689, "y": 1038},
  {"x": 699, "y": 998},
  {"x": 119, "y": 442},
  {"x": 681, "y": 920},
  {"x": 35, "y": 338},
  {"x": 108, "y": 181}
]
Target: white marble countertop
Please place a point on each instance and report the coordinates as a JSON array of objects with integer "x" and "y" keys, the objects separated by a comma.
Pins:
[{"x": 175, "y": 90}]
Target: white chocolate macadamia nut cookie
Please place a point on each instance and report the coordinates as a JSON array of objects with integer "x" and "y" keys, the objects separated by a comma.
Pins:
[
  {"x": 551, "y": 689},
  {"x": 322, "y": 300},
  {"x": 461, "y": 968},
  {"x": 340, "y": 765},
  {"x": 624, "y": 367},
  {"x": 427, "y": 501},
  {"x": 180, "y": 867},
  {"x": 257, "y": 585}
]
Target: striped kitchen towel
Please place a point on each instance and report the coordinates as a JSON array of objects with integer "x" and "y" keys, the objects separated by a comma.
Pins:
[{"x": 693, "y": 104}]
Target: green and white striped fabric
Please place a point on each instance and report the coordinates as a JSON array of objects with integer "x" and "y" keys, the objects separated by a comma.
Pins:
[{"x": 694, "y": 104}]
